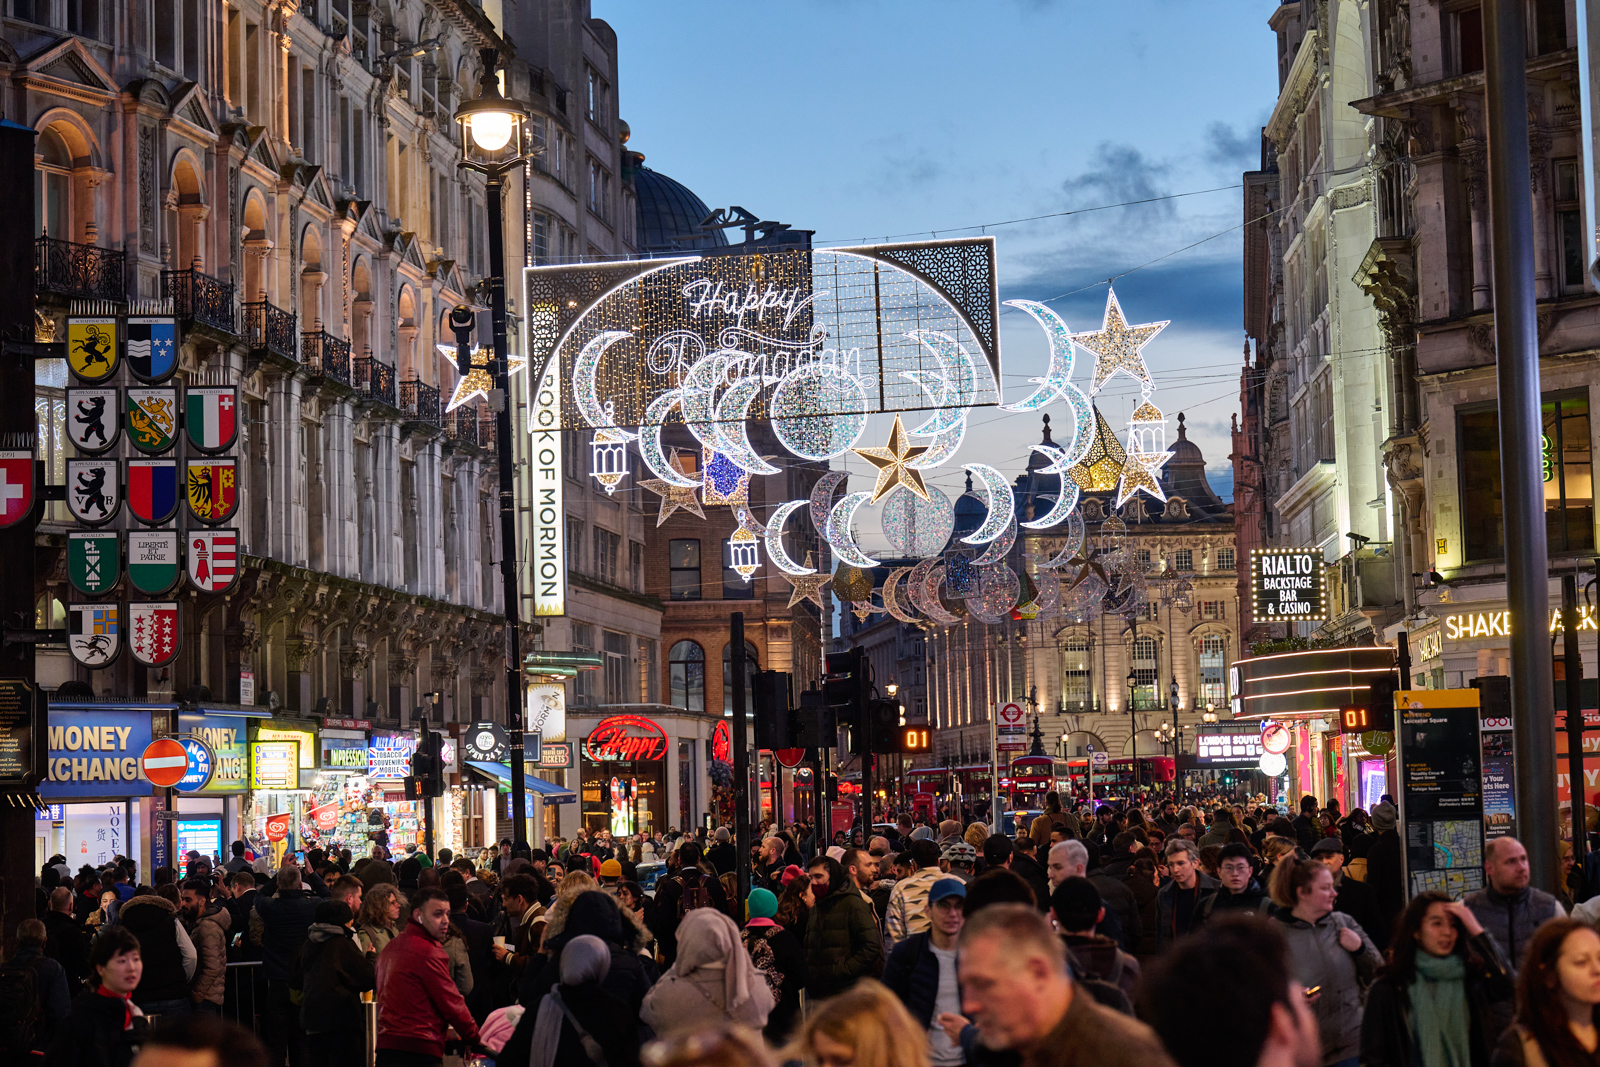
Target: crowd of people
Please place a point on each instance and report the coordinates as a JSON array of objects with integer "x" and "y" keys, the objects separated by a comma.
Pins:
[{"x": 1139, "y": 933}]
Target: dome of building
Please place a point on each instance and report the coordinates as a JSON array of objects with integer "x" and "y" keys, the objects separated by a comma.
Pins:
[
  {"x": 970, "y": 511},
  {"x": 670, "y": 214},
  {"x": 1185, "y": 473}
]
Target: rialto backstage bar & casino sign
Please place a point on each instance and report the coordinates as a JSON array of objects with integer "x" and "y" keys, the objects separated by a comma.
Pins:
[{"x": 1288, "y": 585}]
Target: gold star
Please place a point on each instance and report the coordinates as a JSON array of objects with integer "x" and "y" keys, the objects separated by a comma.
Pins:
[
  {"x": 1118, "y": 347},
  {"x": 478, "y": 381},
  {"x": 1139, "y": 473},
  {"x": 807, "y": 586},
  {"x": 891, "y": 463},
  {"x": 674, "y": 497}
]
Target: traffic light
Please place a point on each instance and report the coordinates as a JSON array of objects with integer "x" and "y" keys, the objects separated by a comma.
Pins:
[
  {"x": 885, "y": 728},
  {"x": 776, "y": 726},
  {"x": 845, "y": 688},
  {"x": 815, "y": 722},
  {"x": 427, "y": 767},
  {"x": 1380, "y": 702}
]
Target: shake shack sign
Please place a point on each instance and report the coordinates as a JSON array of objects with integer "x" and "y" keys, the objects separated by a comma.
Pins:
[{"x": 1288, "y": 585}]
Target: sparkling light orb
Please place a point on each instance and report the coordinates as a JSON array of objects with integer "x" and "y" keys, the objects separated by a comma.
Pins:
[
  {"x": 819, "y": 412},
  {"x": 917, "y": 527}
]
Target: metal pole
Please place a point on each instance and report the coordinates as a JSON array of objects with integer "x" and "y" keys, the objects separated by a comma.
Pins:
[
  {"x": 511, "y": 590},
  {"x": 1521, "y": 479},
  {"x": 1573, "y": 669},
  {"x": 741, "y": 759},
  {"x": 1133, "y": 723}
]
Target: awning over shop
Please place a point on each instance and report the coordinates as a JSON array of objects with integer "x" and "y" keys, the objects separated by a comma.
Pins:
[{"x": 500, "y": 773}]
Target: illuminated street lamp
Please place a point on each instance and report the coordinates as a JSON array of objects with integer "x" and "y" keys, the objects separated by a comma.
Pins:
[{"x": 491, "y": 144}]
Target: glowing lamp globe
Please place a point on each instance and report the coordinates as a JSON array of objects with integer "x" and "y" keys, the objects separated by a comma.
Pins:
[
  {"x": 492, "y": 130},
  {"x": 491, "y": 124}
]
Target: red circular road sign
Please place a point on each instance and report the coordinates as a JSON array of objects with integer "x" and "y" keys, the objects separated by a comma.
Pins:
[
  {"x": 164, "y": 762},
  {"x": 790, "y": 757},
  {"x": 1010, "y": 714}
]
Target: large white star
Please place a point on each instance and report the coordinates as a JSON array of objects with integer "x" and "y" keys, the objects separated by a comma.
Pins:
[
  {"x": 1119, "y": 348},
  {"x": 477, "y": 381}
]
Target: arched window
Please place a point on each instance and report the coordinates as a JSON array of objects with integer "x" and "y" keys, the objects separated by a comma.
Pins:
[
  {"x": 1077, "y": 744},
  {"x": 1143, "y": 744},
  {"x": 406, "y": 364},
  {"x": 687, "y": 666},
  {"x": 52, "y": 188},
  {"x": 191, "y": 212},
  {"x": 752, "y": 667},
  {"x": 1146, "y": 675}
]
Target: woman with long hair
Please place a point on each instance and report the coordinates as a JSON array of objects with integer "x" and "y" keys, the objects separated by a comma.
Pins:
[
  {"x": 379, "y": 920},
  {"x": 866, "y": 1026},
  {"x": 794, "y": 906},
  {"x": 1430, "y": 1004},
  {"x": 1558, "y": 991},
  {"x": 1329, "y": 954}
]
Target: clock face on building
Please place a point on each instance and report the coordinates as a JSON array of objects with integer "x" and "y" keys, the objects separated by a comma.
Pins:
[{"x": 486, "y": 742}]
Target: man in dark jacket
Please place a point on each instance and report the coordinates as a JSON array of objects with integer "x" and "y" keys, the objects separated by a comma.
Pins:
[
  {"x": 238, "y": 862},
  {"x": 287, "y": 909},
  {"x": 1077, "y": 909},
  {"x": 842, "y": 938},
  {"x": 1239, "y": 890},
  {"x": 1179, "y": 902},
  {"x": 686, "y": 877},
  {"x": 1307, "y": 828},
  {"x": 1356, "y": 899},
  {"x": 1384, "y": 870},
  {"x": 1508, "y": 907},
  {"x": 723, "y": 856},
  {"x": 168, "y": 957},
  {"x": 66, "y": 941},
  {"x": 331, "y": 974},
  {"x": 1024, "y": 864},
  {"x": 921, "y": 970}
]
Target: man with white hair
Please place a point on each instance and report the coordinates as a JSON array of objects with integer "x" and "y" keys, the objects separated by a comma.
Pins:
[{"x": 1070, "y": 859}]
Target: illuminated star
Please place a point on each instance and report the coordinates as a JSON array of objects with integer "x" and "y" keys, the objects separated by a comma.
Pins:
[
  {"x": 1140, "y": 473},
  {"x": 674, "y": 497},
  {"x": 477, "y": 381},
  {"x": 807, "y": 587},
  {"x": 1119, "y": 348},
  {"x": 891, "y": 462}
]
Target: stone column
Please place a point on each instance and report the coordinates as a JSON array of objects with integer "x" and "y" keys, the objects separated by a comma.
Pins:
[
  {"x": 298, "y": 651},
  {"x": 352, "y": 679}
]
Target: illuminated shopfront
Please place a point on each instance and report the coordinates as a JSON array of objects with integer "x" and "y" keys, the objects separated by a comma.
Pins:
[{"x": 624, "y": 778}]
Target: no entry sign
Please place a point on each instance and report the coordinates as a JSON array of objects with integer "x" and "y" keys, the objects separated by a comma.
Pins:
[{"x": 164, "y": 762}]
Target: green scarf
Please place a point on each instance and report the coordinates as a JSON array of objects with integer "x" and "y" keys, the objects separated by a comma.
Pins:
[{"x": 1439, "y": 1013}]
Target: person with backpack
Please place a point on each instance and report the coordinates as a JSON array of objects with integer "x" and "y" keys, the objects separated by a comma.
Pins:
[
  {"x": 1078, "y": 910},
  {"x": 921, "y": 970},
  {"x": 105, "y": 1025},
  {"x": 167, "y": 951},
  {"x": 331, "y": 973},
  {"x": 780, "y": 959},
  {"x": 691, "y": 887},
  {"x": 33, "y": 996},
  {"x": 1052, "y": 819}
]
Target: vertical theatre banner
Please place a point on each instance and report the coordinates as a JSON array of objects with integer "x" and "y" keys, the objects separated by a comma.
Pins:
[{"x": 1441, "y": 789}]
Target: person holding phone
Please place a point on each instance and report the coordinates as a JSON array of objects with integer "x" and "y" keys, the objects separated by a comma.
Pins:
[
  {"x": 1443, "y": 995},
  {"x": 1329, "y": 953}
]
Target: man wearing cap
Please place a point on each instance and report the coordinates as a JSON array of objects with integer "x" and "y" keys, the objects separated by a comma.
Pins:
[
  {"x": 1078, "y": 910},
  {"x": 1384, "y": 869},
  {"x": 1355, "y": 899},
  {"x": 959, "y": 860},
  {"x": 922, "y": 969},
  {"x": 908, "y": 901},
  {"x": 610, "y": 876}
]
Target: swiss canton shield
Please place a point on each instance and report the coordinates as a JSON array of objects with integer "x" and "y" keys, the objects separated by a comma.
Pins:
[
  {"x": 94, "y": 561},
  {"x": 213, "y": 558},
  {"x": 92, "y": 349},
  {"x": 94, "y": 490},
  {"x": 93, "y": 419},
  {"x": 153, "y": 633},
  {"x": 152, "y": 419},
  {"x": 210, "y": 417},
  {"x": 16, "y": 487},
  {"x": 211, "y": 490},
  {"x": 153, "y": 560},
  {"x": 152, "y": 349},
  {"x": 153, "y": 490},
  {"x": 93, "y": 634}
]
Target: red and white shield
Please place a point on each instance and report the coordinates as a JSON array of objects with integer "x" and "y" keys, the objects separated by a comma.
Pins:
[{"x": 16, "y": 487}]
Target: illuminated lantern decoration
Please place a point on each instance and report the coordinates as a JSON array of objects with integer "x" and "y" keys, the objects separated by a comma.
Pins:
[
  {"x": 1101, "y": 467},
  {"x": 744, "y": 551},
  {"x": 609, "y": 456}
]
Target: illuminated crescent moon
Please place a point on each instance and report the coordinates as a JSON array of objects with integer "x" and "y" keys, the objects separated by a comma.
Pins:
[
  {"x": 822, "y": 497},
  {"x": 1002, "y": 506},
  {"x": 1065, "y": 502},
  {"x": 999, "y": 546},
  {"x": 930, "y": 591},
  {"x": 1074, "y": 545},
  {"x": 955, "y": 393},
  {"x": 650, "y": 442},
  {"x": 914, "y": 585},
  {"x": 837, "y": 532},
  {"x": 1056, "y": 456},
  {"x": 732, "y": 411},
  {"x": 696, "y": 395},
  {"x": 1083, "y": 424},
  {"x": 773, "y": 535},
  {"x": 891, "y": 601},
  {"x": 585, "y": 370},
  {"x": 1059, "y": 372},
  {"x": 1049, "y": 598}
]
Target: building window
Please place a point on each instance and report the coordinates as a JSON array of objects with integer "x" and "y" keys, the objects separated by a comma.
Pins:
[
  {"x": 541, "y": 239},
  {"x": 686, "y": 669},
  {"x": 636, "y": 566},
  {"x": 1183, "y": 560},
  {"x": 583, "y": 682},
  {"x": 1569, "y": 225},
  {"x": 599, "y": 103},
  {"x": 607, "y": 546},
  {"x": 1567, "y": 473},
  {"x": 649, "y": 680},
  {"x": 616, "y": 671},
  {"x": 683, "y": 562},
  {"x": 1075, "y": 675},
  {"x": 52, "y": 186},
  {"x": 1212, "y": 689},
  {"x": 599, "y": 189},
  {"x": 752, "y": 667},
  {"x": 734, "y": 586},
  {"x": 1146, "y": 676},
  {"x": 1144, "y": 559},
  {"x": 1213, "y": 609},
  {"x": 575, "y": 545},
  {"x": 1469, "y": 40},
  {"x": 1226, "y": 559}
]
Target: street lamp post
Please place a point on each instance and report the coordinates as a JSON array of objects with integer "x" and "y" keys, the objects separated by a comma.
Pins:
[{"x": 491, "y": 144}]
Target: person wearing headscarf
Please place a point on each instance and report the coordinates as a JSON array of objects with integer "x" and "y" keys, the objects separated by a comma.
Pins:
[
  {"x": 577, "y": 1018},
  {"x": 712, "y": 980}
]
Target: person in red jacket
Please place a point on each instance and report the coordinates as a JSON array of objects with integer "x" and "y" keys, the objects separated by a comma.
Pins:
[{"x": 417, "y": 999}]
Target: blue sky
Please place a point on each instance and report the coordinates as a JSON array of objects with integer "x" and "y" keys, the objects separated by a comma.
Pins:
[{"x": 861, "y": 119}]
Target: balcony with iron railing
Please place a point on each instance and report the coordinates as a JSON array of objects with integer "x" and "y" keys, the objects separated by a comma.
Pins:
[
  {"x": 462, "y": 424},
  {"x": 269, "y": 328},
  {"x": 325, "y": 355},
  {"x": 420, "y": 400},
  {"x": 86, "y": 272},
  {"x": 198, "y": 298},
  {"x": 376, "y": 379}
]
